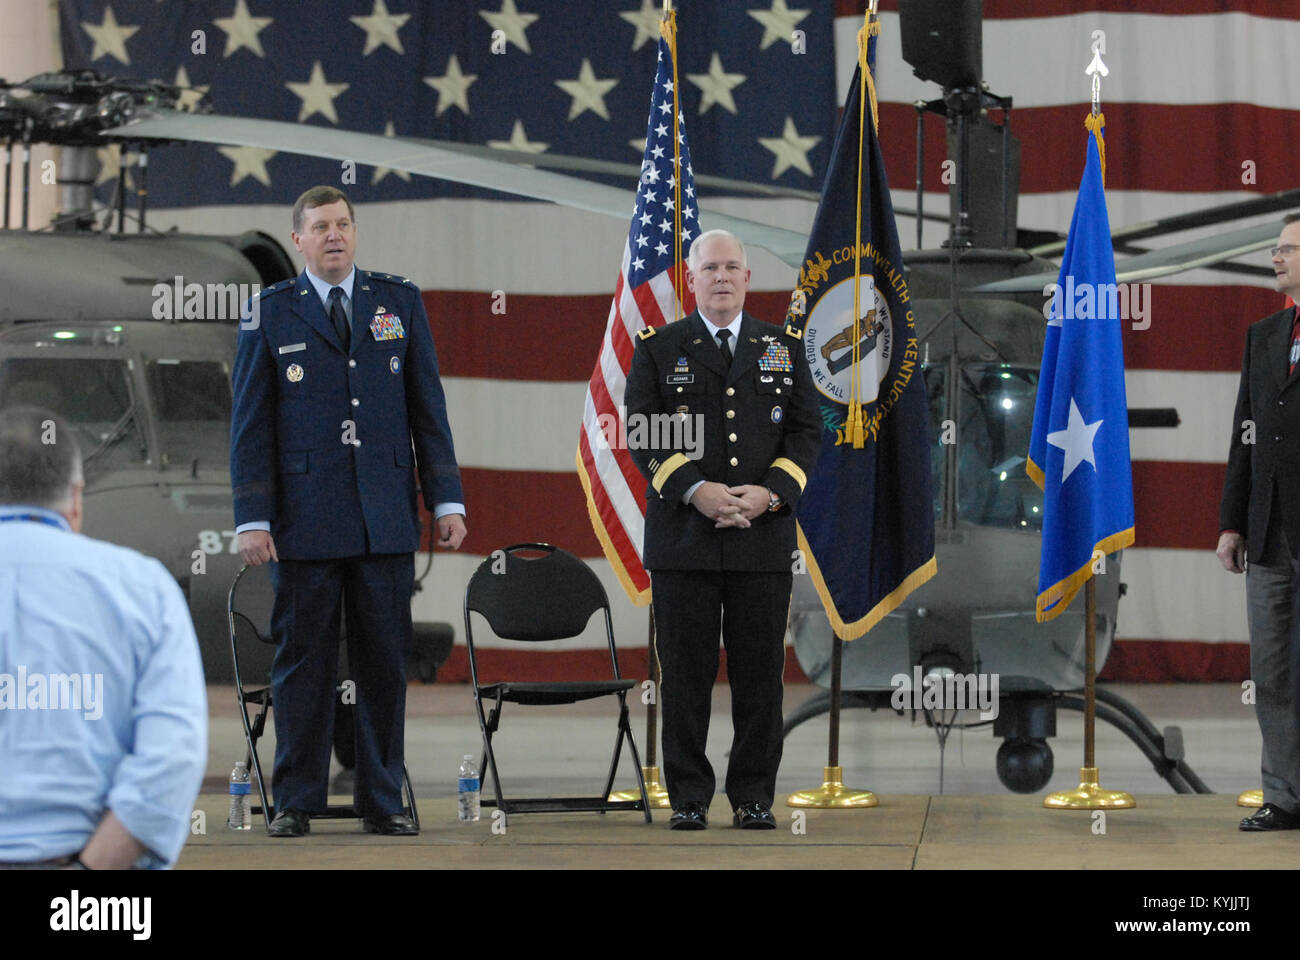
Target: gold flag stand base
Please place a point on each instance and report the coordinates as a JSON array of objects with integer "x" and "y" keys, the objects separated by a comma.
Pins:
[
  {"x": 832, "y": 794},
  {"x": 1089, "y": 795},
  {"x": 653, "y": 789},
  {"x": 1251, "y": 798}
]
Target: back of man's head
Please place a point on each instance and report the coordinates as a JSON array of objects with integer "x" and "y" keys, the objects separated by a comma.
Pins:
[{"x": 40, "y": 462}]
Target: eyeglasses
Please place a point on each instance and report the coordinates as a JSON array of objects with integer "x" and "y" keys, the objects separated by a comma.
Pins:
[{"x": 1285, "y": 249}]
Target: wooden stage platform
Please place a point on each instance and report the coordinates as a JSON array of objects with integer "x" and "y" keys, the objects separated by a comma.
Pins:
[{"x": 906, "y": 832}]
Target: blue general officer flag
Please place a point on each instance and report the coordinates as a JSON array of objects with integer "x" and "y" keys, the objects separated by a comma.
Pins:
[
  {"x": 866, "y": 517},
  {"x": 1078, "y": 450}
]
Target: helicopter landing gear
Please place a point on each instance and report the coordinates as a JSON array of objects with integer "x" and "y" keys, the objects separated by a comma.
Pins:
[
  {"x": 1164, "y": 750},
  {"x": 1024, "y": 761},
  {"x": 1025, "y": 721}
]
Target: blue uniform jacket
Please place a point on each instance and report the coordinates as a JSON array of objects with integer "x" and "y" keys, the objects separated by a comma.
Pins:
[{"x": 321, "y": 440}]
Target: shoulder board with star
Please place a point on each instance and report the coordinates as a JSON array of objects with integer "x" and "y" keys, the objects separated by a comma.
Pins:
[
  {"x": 276, "y": 288},
  {"x": 393, "y": 278},
  {"x": 647, "y": 333}
]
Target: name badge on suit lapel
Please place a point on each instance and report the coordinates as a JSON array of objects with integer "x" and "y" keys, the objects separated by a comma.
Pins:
[{"x": 681, "y": 372}]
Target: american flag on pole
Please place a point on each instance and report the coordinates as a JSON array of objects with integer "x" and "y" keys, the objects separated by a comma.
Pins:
[{"x": 651, "y": 279}]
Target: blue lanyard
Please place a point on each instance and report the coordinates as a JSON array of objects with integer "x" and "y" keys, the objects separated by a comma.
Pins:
[{"x": 38, "y": 518}]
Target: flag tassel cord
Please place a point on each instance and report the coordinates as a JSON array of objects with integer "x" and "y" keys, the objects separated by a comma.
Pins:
[
  {"x": 854, "y": 429},
  {"x": 1096, "y": 125}
]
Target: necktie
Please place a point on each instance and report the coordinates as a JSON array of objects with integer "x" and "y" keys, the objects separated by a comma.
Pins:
[
  {"x": 724, "y": 343},
  {"x": 339, "y": 318},
  {"x": 1295, "y": 343}
]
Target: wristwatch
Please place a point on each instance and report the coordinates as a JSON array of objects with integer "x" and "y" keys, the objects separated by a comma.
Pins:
[{"x": 773, "y": 501}]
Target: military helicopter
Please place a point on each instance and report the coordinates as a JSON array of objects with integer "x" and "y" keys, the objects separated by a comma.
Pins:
[
  {"x": 156, "y": 427},
  {"x": 137, "y": 361}
]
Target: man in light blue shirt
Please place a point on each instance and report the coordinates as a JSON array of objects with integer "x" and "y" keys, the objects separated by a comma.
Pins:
[{"x": 103, "y": 711}]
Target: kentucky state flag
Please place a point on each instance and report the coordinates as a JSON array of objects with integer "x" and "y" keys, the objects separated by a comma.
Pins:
[
  {"x": 866, "y": 516},
  {"x": 1078, "y": 451}
]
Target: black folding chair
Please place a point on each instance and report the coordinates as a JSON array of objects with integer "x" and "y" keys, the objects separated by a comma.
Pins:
[
  {"x": 249, "y": 625},
  {"x": 536, "y": 599}
]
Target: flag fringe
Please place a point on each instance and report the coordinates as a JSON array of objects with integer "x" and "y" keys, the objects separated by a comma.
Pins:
[
  {"x": 1060, "y": 594},
  {"x": 639, "y": 597},
  {"x": 857, "y": 628},
  {"x": 1036, "y": 473}
]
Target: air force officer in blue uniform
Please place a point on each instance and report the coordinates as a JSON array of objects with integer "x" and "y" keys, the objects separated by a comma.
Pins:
[{"x": 336, "y": 400}]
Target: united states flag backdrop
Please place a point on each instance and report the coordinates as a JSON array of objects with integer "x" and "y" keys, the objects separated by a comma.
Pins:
[
  {"x": 1183, "y": 72},
  {"x": 651, "y": 291}
]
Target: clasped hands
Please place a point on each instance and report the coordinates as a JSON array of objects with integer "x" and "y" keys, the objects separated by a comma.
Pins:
[{"x": 730, "y": 506}]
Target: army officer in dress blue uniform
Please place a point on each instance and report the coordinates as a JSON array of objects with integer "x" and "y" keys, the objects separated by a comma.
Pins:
[
  {"x": 720, "y": 529},
  {"x": 335, "y": 380}
]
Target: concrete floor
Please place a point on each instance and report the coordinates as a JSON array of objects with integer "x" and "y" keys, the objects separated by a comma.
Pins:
[
  {"x": 906, "y": 832},
  {"x": 565, "y": 750},
  {"x": 975, "y": 823}
]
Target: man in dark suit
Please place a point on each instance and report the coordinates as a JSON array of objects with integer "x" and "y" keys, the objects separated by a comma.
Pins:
[
  {"x": 730, "y": 427},
  {"x": 1259, "y": 520},
  {"x": 335, "y": 379}
]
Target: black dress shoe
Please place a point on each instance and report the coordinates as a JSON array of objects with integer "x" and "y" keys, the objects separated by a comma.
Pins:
[
  {"x": 1270, "y": 817},
  {"x": 289, "y": 823},
  {"x": 754, "y": 815},
  {"x": 392, "y": 825},
  {"x": 689, "y": 816}
]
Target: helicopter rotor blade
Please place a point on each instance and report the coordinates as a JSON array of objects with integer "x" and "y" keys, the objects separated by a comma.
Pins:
[
  {"x": 569, "y": 163},
  {"x": 1159, "y": 263},
  {"x": 1256, "y": 206},
  {"x": 438, "y": 161},
  {"x": 560, "y": 161}
]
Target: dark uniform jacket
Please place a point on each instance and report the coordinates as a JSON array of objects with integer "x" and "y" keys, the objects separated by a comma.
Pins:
[
  {"x": 1261, "y": 490},
  {"x": 329, "y": 492},
  {"x": 760, "y": 425}
]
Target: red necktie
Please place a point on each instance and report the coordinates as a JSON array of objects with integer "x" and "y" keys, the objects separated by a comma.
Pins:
[{"x": 1295, "y": 342}]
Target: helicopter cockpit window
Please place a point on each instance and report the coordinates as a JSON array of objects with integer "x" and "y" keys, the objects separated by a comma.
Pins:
[
  {"x": 997, "y": 416},
  {"x": 92, "y": 394},
  {"x": 192, "y": 399}
]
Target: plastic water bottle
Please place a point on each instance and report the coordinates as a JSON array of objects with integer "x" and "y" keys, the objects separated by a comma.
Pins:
[
  {"x": 240, "y": 816},
  {"x": 468, "y": 806}
]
